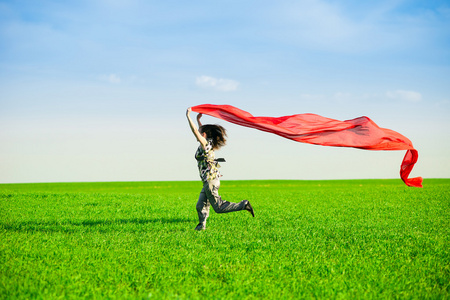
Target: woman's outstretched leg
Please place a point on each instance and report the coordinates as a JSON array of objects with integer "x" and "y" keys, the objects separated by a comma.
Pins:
[{"x": 219, "y": 205}]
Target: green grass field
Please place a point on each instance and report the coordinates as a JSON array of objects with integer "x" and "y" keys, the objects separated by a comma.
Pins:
[{"x": 356, "y": 239}]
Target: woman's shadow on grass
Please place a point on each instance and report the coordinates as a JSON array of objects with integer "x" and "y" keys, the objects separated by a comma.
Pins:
[{"x": 92, "y": 225}]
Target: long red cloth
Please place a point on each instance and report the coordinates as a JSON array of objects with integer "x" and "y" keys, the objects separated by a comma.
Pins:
[{"x": 360, "y": 133}]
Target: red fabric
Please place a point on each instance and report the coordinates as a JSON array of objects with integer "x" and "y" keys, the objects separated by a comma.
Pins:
[{"x": 360, "y": 133}]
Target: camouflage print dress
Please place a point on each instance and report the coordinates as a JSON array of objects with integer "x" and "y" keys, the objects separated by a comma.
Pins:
[{"x": 207, "y": 167}]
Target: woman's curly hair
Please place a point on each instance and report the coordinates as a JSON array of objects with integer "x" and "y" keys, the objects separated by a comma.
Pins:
[{"x": 216, "y": 133}]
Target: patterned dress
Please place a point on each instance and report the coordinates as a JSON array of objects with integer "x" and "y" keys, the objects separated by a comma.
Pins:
[{"x": 207, "y": 167}]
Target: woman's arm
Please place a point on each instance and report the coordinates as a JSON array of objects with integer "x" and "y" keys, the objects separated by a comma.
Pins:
[
  {"x": 198, "y": 120},
  {"x": 194, "y": 129}
]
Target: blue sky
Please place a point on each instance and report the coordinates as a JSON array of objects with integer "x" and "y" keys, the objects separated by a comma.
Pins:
[{"x": 97, "y": 90}]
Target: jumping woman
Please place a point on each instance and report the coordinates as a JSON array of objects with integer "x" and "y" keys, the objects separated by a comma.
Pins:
[{"x": 211, "y": 137}]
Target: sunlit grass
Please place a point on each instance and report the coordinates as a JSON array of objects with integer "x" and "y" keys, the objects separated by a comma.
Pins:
[{"x": 309, "y": 239}]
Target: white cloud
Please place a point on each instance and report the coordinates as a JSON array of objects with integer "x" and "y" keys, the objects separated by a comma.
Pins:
[
  {"x": 111, "y": 78},
  {"x": 410, "y": 96},
  {"x": 311, "y": 97},
  {"x": 220, "y": 84},
  {"x": 114, "y": 78}
]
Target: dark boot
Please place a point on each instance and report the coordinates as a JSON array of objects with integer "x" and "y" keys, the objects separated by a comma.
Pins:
[{"x": 248, "y": 207}]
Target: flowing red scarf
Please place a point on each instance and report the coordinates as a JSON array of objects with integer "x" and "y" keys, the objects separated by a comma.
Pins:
[{"x": 360, "y": 133}]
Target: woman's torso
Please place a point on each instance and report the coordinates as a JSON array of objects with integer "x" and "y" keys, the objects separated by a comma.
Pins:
[{"x": 207, "y": 167}]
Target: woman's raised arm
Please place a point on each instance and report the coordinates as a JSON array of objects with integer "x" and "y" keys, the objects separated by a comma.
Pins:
[
  {"x": 194, "y": 129},
  {"x": 198, "y": 120}
]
